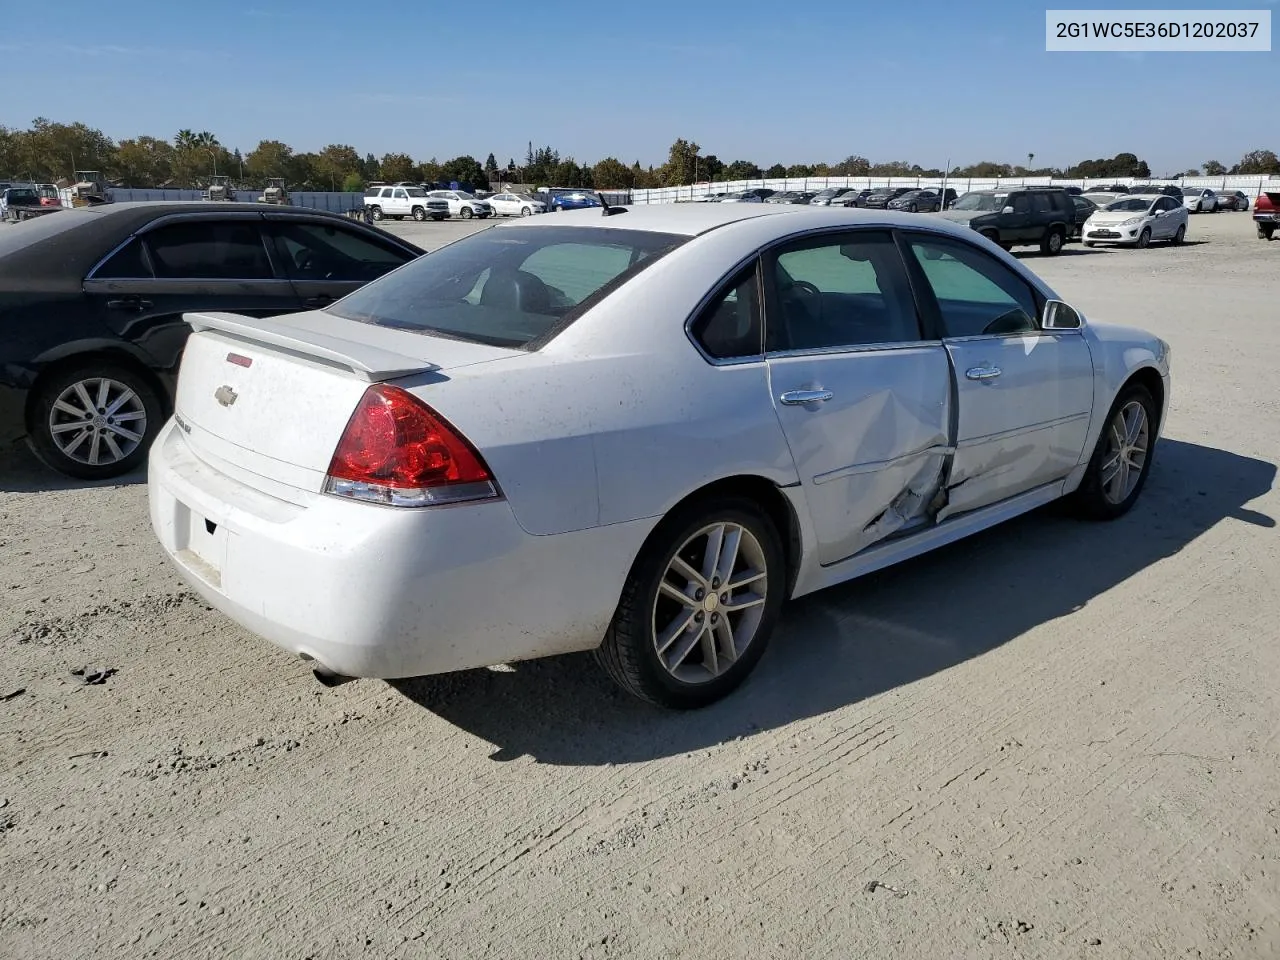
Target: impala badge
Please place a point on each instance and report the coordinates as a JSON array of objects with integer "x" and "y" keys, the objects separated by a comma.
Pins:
[{"x": 225, "y": 395}]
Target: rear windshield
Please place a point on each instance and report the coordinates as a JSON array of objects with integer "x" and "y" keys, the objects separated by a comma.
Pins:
[{"x": 507, "y": 286}]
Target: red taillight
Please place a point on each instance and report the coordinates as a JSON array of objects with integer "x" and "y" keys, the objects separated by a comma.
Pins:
[{"x": 396, "y": 450}]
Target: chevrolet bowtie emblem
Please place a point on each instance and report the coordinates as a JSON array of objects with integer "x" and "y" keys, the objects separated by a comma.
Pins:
[{"x": 225, "y": 395}]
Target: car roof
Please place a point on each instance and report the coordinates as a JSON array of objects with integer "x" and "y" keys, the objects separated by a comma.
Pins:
[
  {"x": 693, "y": 219},
  {"x": 42, "y": 249}
]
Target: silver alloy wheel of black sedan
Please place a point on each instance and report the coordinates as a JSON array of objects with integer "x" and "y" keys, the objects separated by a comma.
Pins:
[{"x": 98, "y": 421}]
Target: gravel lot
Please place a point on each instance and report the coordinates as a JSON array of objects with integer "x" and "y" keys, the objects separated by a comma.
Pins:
[{"x": 1053, "y": 740}]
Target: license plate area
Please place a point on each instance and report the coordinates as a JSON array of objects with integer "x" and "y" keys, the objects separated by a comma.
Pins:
[{"x": 202, "y": 544}]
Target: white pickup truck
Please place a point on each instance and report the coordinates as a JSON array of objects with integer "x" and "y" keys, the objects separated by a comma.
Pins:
[{"x": 404, "y": 201}]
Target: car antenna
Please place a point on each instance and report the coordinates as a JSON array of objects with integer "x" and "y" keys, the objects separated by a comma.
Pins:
[{"x": 607, "y": 210}]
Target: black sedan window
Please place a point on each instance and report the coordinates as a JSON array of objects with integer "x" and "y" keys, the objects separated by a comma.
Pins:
[{"x": 209, "y": 250}]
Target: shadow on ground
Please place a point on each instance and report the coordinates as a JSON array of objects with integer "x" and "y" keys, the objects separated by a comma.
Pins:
[
  {"x": 862, "y": 638},
  {"x": 22, "y": 472}
]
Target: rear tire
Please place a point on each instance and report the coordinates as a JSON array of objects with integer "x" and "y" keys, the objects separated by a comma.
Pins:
[
  {"x": 716, "y": 659},
  {"x": 1265, "y": 231},
  {"x": 1051, "y": 245},
  {"x": 375, "y": 212},
  {"x": 1090, "y": 243},
  {"x": 118, "y": 433},
  {"x": 1102, "y": 494},
  {"x": 1144, "y": 239}
]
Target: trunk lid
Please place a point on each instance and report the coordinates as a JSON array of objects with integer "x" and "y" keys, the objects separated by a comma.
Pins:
[{"x": 270, "y": 398}]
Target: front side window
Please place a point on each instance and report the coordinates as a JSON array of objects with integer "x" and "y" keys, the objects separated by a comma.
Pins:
[
  {"x": 846, "y": 291},
  {"x": 208, "y": 249},
  {"x": 976, "y": 295},
  {"x": 1020, "y": 202},
  {"x": 1040, "y": 203},
  {"x": 315, "y": 251},
  {"x": 730, "y": 327},
  {"x": 507, "y": 287}
]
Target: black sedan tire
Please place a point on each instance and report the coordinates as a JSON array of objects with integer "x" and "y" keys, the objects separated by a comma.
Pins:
[{"x": 94, "y": 421}]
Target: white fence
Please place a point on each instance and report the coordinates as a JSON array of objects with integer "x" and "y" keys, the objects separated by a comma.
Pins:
[{"x": 1252, "y": 185}]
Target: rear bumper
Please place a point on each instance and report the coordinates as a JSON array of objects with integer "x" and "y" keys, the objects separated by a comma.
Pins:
[{"x": 371, "y": 591}]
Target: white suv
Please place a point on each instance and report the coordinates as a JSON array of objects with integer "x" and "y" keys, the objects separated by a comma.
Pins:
[
  {"x": 404, "y": 201},
  {"x": 462, "y": 204}
]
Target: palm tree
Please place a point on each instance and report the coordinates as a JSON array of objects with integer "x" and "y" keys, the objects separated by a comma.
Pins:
[
  {"x": 185, "y": 140},
  {"x": 206, "y": 140}
]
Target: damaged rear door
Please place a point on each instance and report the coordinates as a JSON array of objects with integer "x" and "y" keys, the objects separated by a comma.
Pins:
[
  {"x": 1024, "y": 394},
  {"x": 863, "y": 398}
]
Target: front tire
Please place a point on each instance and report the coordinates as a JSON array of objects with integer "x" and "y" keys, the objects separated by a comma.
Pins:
[
  {"x": 699, "y": 605},
  {"x": 1121, "y": 461},
  {"x": 94, "y": 421},
  {"x": 526, "y": 211},
  {"x": 1144, "y": 239},
  {"x": 375, "y": 212},
  {"x": 419, "y": 214},
  {"x": 466, "y": 213}
]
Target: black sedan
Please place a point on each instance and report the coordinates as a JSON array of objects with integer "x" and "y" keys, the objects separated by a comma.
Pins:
[
  {"x": 879, "y": 199},
  {"x": 91, "y": 305}
]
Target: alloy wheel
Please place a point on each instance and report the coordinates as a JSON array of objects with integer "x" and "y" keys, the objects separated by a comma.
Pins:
[
  {"x": 1128, "y": 437},
  {"x": 710, "y": 602},
  {"x": 98, "y": 421}
]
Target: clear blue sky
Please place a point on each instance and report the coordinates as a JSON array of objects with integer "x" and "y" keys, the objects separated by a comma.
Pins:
[{"x": 920, "y": 81}]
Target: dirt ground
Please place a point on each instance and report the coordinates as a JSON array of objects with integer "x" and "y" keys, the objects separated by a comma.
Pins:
[{"x": 1053, "y": 740}]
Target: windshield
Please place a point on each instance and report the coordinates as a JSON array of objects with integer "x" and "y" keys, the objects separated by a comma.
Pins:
[
  {"x": 1146, "y": 191},
  {"x": 985, "y": 202},
  {"x": 1136, "y": 204},
  {"x": 508, "y": 287}
]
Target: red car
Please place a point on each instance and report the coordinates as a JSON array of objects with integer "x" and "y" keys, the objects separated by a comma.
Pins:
[{"x": 1266, "y": 213}]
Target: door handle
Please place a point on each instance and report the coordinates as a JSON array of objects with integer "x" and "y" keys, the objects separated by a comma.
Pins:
[
  {"x": 323, "y": 300},
  {"x": 128, "y": 303},
  {"x": 795, "y": 397},
  {"x": 982, "y": 373}
]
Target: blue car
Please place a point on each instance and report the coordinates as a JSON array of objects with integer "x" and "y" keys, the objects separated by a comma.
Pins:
[{"x": 571, "y": 198}]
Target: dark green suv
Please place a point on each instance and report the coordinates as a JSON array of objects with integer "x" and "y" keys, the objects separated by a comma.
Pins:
[{"x": 1018, "y": 216}]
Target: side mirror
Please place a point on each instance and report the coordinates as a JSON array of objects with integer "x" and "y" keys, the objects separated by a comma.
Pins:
[
  {"x": 1007, "y": 210},
  {"x": 1059, "y": 316}
]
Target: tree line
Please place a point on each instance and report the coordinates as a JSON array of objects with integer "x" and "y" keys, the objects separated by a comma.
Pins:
[{"x": 48, "y": 151}]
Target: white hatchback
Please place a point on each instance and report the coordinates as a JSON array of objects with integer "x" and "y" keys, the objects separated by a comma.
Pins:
[
  {"x": 1137, "y": 221},
  {"x": 515, "y": 205},
  {"x": 637, "y": 433}
]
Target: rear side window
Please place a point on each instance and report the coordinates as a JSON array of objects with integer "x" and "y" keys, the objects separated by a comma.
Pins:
[
  {"x": 729, "y": 327},
  {"x": 128, "y": 263},
  {"x": 844, "y": 291},
  {"x": 208, "y": 249},
  {"x": 509, "y": 286}
]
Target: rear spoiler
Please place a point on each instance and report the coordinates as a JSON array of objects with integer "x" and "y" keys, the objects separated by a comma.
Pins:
[{"x": 365, "y": 361}]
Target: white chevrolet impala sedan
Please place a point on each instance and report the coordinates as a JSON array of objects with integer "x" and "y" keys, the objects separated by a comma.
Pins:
[{"x": 635, "y": 431}]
